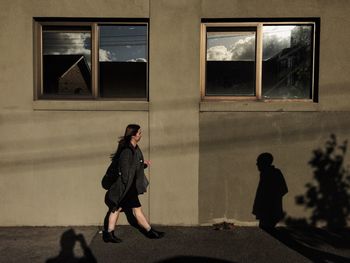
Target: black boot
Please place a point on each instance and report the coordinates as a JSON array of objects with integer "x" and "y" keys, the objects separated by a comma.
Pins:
[
  {"x": 153, "y": 234},
  {"x": 110, "y": 237},
  {"x": 160, "y": 233}
]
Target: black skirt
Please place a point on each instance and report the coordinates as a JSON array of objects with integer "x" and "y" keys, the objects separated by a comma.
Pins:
[{"x": 131, "y": 199}]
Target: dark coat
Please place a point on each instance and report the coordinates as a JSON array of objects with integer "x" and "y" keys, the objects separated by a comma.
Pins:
[
  {"x": 130, "y": 165},
  {"x": 268, "y": 199}
]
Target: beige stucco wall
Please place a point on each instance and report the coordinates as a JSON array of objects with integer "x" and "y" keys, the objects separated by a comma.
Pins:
[
  {"x": 174, "y": 97},
  {"x": 51, "y": 148},
  {"x": 52, "y": 163},
  {"x": 231, "y": 142},
  {"x": 232, "y": 135},
  {"x": 53, "y": 153}
]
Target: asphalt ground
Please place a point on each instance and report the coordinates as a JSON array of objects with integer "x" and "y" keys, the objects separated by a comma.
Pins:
[{"x": 180, "y": 244}]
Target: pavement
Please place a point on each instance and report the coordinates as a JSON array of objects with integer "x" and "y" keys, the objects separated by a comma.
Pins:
[{"x": 180, "y": 244}]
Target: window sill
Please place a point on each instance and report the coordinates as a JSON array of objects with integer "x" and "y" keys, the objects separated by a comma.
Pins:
[
  {"x": 260, "y": 106},
  {"x": 98, "y": 105}
]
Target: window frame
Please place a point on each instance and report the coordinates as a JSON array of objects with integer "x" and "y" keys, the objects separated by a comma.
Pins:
[
  {"x": 94, "y": 24},
  {"x": 258, "y": 24}
]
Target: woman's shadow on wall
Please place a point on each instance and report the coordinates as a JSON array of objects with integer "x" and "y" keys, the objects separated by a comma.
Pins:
[
  {"x": 68, "y": 240},
  {"x": 327, "y": 197},
  {"x": 271, "y": 188}
]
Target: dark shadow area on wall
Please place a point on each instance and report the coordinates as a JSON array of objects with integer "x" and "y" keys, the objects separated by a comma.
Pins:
[
  {"x": 327, "y": 197},
  {"x": 328, "y": 194},
  {"x": 272, "y": 187},
  {"x": 68, "y": 240}
]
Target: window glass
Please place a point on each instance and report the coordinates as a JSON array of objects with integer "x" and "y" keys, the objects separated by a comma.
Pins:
[
  {"x": 123, "y": 61},
  {"x": 66, "y": 61},
  {"x": 230, "y": 61},
  {"x": 287, "y": 61}
]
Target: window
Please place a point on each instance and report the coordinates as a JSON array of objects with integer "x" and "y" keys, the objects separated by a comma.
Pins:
[
  {"x": 91, "y": 60},
  {"x": 259, "y": 60}
]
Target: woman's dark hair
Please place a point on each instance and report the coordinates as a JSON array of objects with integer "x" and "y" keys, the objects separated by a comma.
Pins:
[{"x": 124, "y": 141}]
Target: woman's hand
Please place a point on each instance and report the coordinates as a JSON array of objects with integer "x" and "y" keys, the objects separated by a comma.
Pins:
[{"x": 147, "y": 162}]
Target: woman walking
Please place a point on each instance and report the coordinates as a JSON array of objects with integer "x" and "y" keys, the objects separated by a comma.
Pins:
[{"x": 130, "y": 182}]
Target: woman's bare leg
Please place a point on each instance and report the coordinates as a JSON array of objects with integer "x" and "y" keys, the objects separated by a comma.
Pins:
[
  {"x": 141, "y": 219},
  {"x": 112, "y": 220}
]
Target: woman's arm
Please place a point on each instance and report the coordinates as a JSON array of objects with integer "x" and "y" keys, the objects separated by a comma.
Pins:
[
  {"x": 125, "y": 163},
  {"x": 146, "y": 163}
]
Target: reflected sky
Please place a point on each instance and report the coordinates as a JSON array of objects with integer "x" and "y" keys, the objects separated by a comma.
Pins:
[
  {"x": 226, "y": 39},
  {"x": 240, "y": 46},
  {"x": 275, "y": 39},
  {"x": 123, "y": 43},
  {"x": 230, "y": 46},
  {"x": 116, "y": 43},
  {"x": 67, "y": 43},
  {"x": 281, "y": 31}
]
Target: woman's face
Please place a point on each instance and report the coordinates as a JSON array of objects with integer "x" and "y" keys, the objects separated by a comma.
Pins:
[{"x": 138, "y": 136}]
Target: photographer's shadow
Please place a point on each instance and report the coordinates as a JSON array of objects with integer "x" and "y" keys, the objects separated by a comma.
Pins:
[{"x": 66, "y": 255}]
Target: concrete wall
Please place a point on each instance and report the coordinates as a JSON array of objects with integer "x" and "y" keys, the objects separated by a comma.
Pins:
[
  {"x": 231, "y": 142},
  {"x": 52, "y": 163},
  {"x": 51, "y": 149},
  {"x": 54, "y": 153},
  {"x": 174, "y": 97},
  {"x": 232, "y": 135}
]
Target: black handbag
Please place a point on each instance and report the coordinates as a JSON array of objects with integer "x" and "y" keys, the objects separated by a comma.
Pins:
[{"x": 110, "y": 176}]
